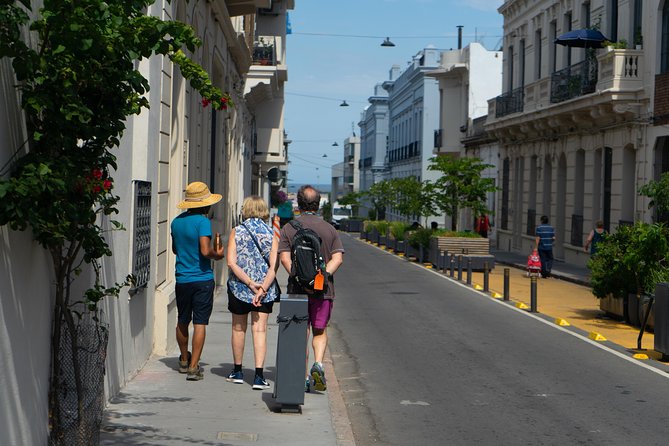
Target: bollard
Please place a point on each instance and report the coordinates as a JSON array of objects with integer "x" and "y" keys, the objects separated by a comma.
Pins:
[
  {"x": 459, "y": 267},
  {"x": 444, "y": 266},
  {"x": 506, "y": 283},
  {"x": 469, "y": 270},
  {"x": 533, "y": 294},
  {"x": 452, "y": 265},
  {"x": 486, "y": 279}
]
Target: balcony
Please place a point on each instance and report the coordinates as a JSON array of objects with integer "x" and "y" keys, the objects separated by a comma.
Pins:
[
  {"x": 264, "y": 52},
  {"x": 573, "y": 81},
  {"x": 510, "y": 102},
  {"x": 582, "y": 96}
]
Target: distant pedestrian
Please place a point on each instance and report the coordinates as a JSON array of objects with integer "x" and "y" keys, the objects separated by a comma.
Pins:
[
  {"x": 544, "y": 244},
  {"x": 320, "y": 302},
  {"x": 595, "y": 236},
  {"x": 191, "y": 242},
  {"x": 252, "y": 259},
  {"x": 482, "y": 225}
]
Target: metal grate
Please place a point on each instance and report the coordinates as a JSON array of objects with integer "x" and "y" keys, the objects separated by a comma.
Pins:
[{"x": 141, "y": 253}]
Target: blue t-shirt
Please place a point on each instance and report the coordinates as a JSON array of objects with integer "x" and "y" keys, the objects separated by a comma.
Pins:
[
  {"x": 191, "y": 266},
  {"x": 546, "y": 234}
]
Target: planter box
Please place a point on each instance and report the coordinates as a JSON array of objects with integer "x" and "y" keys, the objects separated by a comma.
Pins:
[
  {"x": 399, "y": 246},
  {"x": 613, "y": 306},
  {"x": 383, "y": 240},
  {"x": 351, "y": 225}
]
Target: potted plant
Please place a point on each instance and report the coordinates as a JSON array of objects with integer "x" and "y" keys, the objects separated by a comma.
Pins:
[
  {"x": 420, "y": 241},
  {"x": 263, "y": 52},
  {"x": 627, "y": 266},
  {"x": 398, "y": 230}
]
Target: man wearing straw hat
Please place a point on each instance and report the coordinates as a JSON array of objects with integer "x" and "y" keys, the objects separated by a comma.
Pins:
[{"x": 191, "y": 242}]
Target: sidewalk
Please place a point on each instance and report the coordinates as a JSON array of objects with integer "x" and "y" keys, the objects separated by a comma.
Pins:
[
  {"x": 561, "y": 270},
  {"x": 565, "y": 296},
  {"x": 159, "y": 407}
]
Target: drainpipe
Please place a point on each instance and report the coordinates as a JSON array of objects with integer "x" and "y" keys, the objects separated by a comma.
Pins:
[{"x": 459, "y": 37}]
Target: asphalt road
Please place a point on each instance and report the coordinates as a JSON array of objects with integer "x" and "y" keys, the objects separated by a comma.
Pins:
[{"x": 425, "y": 361}]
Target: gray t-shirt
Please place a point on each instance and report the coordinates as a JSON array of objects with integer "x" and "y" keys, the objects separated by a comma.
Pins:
[{"x": 330, "y": 241}]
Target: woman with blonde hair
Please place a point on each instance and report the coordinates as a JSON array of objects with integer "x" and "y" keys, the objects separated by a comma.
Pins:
[{"x": 252, "y": 288}]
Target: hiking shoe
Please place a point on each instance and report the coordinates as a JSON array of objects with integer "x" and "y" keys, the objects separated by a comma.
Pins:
[
  {"x": 259, "y": 383},
  {"x": 236, "y": 377},
  {"x": 194, "y": 374},
  {"x": 183, "y": 365},
  {"x": 307, "y": 386},
  {"x": 318, "y": 376}
]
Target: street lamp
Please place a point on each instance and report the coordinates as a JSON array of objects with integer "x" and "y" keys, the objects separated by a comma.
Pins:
[
  {"x": 334, "y": 144},
  {"x": 343, "y": 103}
]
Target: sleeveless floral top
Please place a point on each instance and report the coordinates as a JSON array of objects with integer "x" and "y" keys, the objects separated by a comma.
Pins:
[{"x": 251, "y": 260}]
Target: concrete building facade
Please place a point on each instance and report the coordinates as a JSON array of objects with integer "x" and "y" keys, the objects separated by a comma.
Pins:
[
  {"x": 467, "y": 77},
  {"x": 579, "y": 129},
  {"x": 174, "y": 142}
]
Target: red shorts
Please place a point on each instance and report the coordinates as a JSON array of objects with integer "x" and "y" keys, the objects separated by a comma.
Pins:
[{"x": 319, "y": 312}]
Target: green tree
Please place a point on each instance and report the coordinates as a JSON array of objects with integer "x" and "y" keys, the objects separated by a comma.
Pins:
[
  {"x": 382, "y": 195},
  {"x": 78, "y": 86},
  {"x": 414, "y": 199},
  {"x": 461, "y": 185},
  {"x": 658, "y": 192},
  {"x": 351, "y": 199}
]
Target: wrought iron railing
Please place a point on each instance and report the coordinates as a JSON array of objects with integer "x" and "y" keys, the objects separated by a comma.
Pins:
[
  {"x": 574, "y": 81},
  {"x": 509, "y": 102}
]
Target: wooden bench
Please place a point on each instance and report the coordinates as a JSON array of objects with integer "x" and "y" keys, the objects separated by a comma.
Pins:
[
  {"x": 464, "y": 245},
  {"x": 476, "y": 249}
]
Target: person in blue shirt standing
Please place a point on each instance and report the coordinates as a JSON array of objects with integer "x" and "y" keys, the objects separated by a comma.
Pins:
[
  {"x": 544, "y": 244},
  {"x": 191, "y": 242}
]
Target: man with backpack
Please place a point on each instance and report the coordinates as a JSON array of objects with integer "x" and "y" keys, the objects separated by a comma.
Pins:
[{"x": 311, "y": 251}]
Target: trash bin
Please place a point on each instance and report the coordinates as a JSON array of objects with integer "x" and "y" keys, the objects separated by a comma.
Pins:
[
  {"x": 661, "y": 343},
  {"x": 291, "y": 352}
]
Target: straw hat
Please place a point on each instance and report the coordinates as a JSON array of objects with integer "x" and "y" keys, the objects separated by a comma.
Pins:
[{"x": 198, "y": 196}]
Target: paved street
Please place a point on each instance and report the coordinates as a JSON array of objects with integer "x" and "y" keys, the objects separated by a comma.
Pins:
[{"x": 423, "y": 360}]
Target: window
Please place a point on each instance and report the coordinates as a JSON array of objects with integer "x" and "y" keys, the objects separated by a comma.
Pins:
[
  {"x": 552, "y": 56},
  {"x": 537, "y": 54},
  {"x": 664, "y": 65},
  {"x": 636, "y": 24},
  {"x": 521, "y": 55},
  {"x": 510, "y": 62},
  {"x": 613, "y": 20},
  {"x": 567, "y": 49},
  {"x": 141, "y": 252}
]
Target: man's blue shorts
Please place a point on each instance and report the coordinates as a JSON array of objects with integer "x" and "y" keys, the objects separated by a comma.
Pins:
[{"x": 196, "y": 300}]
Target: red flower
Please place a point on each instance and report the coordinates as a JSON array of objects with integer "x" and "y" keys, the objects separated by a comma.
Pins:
[
  {"x": 107, "y": 185},
  {"x": 97, "y": 173},
  {"x": 224, "y": 104},
  {"x": 96, "y": 189},
  {"x": 205, "y": 102}
]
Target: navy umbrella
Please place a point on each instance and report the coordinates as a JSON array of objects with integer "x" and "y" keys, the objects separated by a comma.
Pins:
[{"x": 582, "y": 38}]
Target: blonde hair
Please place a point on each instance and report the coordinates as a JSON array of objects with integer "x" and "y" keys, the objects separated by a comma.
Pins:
[{"x": 255, "y": 207}]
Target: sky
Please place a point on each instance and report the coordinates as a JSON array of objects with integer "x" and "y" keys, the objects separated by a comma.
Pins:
[{"x": 348, "y": 61}]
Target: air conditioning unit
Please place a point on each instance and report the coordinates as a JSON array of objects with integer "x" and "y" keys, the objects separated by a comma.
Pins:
[{"x": 274, "y": 10}]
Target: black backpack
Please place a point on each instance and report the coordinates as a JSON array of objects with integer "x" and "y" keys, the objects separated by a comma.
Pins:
[{"x": 306, "y": 257}]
